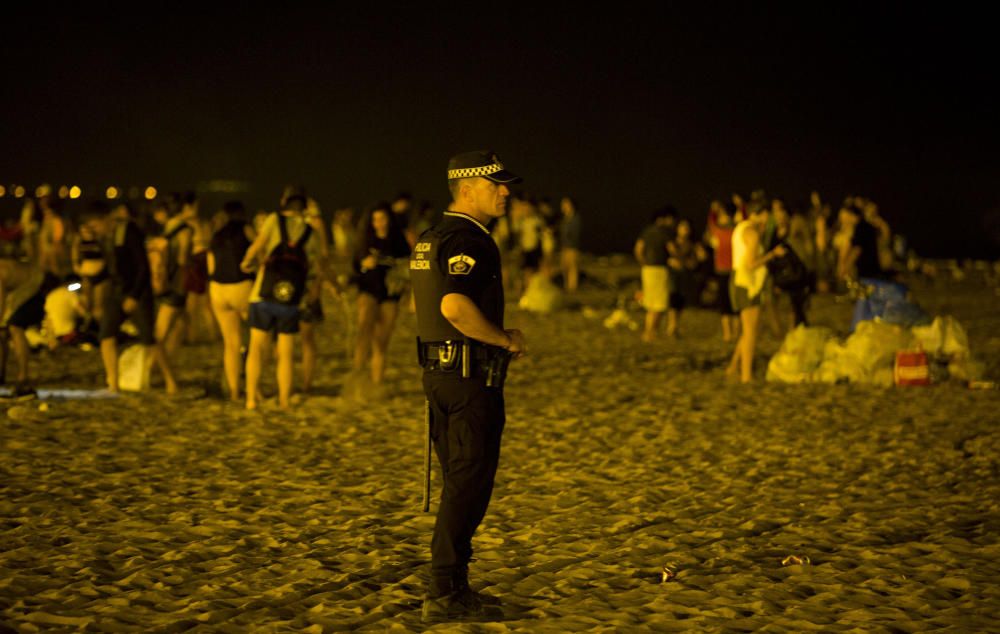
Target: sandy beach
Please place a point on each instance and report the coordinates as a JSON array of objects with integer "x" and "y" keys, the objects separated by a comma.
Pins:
[{"x": 148, "y": 513}]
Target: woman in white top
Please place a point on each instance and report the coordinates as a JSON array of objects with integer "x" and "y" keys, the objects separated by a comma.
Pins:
[{"x": 746, "y": 286}]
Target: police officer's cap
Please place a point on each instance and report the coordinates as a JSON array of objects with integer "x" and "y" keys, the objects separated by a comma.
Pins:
[{"x": 484, "y": 163}]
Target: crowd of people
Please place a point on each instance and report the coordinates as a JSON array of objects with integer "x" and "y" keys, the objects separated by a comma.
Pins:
[
  {"x": 752, "y": 254},
  {"x": 161, "y": 273}
]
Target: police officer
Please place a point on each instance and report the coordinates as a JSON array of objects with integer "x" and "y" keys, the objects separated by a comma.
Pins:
[{"x": 464, "y": 349}]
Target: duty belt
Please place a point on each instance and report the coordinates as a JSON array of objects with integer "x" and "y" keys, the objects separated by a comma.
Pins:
[{"x": 465, "y": 357}]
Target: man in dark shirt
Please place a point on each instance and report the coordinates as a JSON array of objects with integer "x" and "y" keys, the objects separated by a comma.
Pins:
[
  {"x": 863, "y": 252},
  {"x": 458, "y": 289},
  {"x": 131, "y": 293},
  {"x": 651, "y": 252}
]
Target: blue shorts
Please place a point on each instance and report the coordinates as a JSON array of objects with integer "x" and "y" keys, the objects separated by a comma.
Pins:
[{"x": 274, "y": 317}]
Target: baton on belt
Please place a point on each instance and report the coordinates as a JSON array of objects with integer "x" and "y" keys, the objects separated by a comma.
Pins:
[
  {"x": 4, "y": 344},
  {"x": 427, "y": 456}
]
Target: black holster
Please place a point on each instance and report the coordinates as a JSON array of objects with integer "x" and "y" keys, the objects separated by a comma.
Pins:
[{"x": 465, "y": 357}]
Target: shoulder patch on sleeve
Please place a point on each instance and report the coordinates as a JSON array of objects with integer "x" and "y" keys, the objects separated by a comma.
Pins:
[{"x": 460, "y": 264}]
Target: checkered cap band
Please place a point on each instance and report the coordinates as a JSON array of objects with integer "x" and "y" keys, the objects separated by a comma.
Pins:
[{"x": 470, "y": 172}]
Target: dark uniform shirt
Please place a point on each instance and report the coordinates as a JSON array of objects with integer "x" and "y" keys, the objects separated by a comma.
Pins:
[{"x": 457, "y": 255}]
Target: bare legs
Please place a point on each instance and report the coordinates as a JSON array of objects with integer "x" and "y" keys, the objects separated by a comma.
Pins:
[
  {"x": 286, "y": 363},
  {"x": 21, "y": 353},
  {"x": 308, "y": 354},
  {"x": 109, "y": 355},
  {"x": 167, "y": 321},
  {"x": 742, "y": 359},
  {"x": 672, "y": 317},
  {"x": 383, "y": 332},
  {"x": 730, "y": 327},
  {"x": 652, "y": 323},
  {"x": 230, "y": 324},
  {"x": 571, "y": 269},
  {"x": 375, "y": 324},
  {"x": 367, "y": 315},
  {"x": 259, "y": 342},
  {"x": 255, "y": 354}
]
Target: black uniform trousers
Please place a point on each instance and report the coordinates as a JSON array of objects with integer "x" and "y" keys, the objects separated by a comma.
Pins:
[{"x": 467, "y": 421}]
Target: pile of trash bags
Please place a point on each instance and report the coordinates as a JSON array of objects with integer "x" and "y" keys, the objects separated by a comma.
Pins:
[{"x": 869, "y": 353}]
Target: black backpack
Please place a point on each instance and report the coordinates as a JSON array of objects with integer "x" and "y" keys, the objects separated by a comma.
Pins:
[
  {"x": 287, "y": 268},
  {"x": 788, "y": 271}
]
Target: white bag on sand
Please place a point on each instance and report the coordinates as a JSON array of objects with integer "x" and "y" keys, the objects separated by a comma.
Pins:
[
  {"x": 868, "y": 355},
  {"x": 945, "y": 336},
  {"x": 133, "y": 368},
  {"x": 541, "y": 296},
  {"x": 620, "y": 318},
  {"x": 839, "y": 365},
  {"x": 875, "y": 344},
  {"x": 800, "y": 355}
]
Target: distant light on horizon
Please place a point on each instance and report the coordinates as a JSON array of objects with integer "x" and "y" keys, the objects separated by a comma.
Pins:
[
  {"x": 42, "y": 190},
  {"x": 3, "y": 191},
  {"x": 75, "y": 192},
  {"x": 19, "y": 192},
  {"x": 111, "y": 193},
  {"x": 63, "y": 191},
  {"x": 150, "y": 193}
]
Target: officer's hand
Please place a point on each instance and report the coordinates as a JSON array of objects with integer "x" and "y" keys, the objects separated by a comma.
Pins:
[
  {"x": 517, "y": 345},
  {"x": 247, "y": 266},
  {"x": 129, "y": 305},
  {"x": 779, "y": 251},
  {"x": 369, "y": 263}
]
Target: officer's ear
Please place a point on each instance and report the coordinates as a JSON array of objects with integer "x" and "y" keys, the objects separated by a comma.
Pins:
[{"x": 465, "y": 186}]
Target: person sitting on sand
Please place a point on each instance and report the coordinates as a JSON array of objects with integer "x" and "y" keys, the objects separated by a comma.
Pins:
[
  {"x": 746, "y": 286},
  {"x": 651, "y": 252}
]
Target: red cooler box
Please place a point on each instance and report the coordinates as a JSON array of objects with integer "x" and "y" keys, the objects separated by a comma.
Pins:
[{"x": 912, "y": 368}]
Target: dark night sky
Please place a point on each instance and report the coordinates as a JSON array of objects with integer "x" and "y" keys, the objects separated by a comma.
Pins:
[{"x": 625, "y": 110}]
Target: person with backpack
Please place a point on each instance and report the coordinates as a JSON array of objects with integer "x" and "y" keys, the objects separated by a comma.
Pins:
[{"x": 291, "y": 247}]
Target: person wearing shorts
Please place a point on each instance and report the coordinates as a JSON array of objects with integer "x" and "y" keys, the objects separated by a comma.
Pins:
[
  {"x": 651, "y": 252},
  {"x": 748, "y": 287},
  {"x": 272, "y": 317},
  {"x": 131, "y": 293},
  {"x": 380, "y": 244},
  {"x": 229, "y": 288}
]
